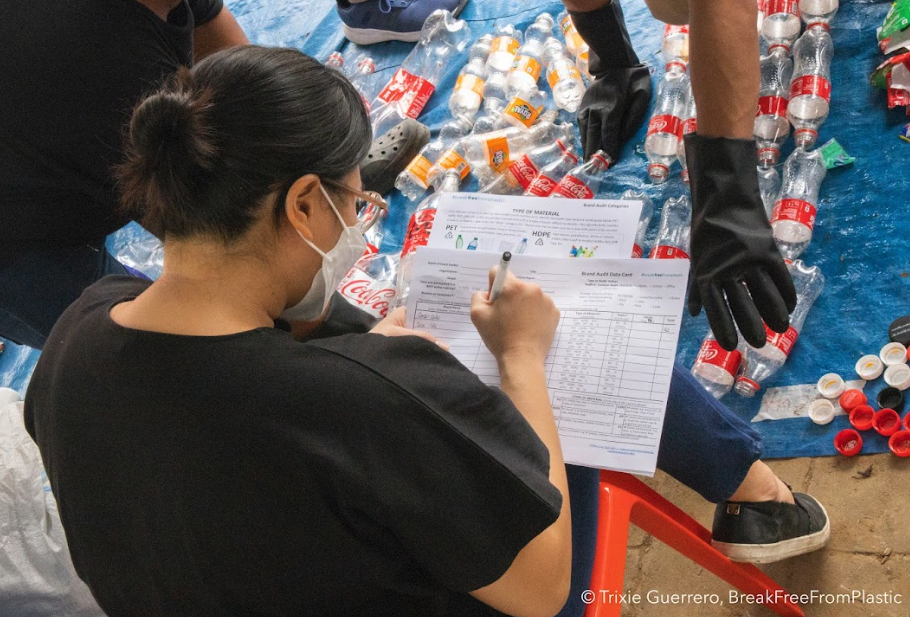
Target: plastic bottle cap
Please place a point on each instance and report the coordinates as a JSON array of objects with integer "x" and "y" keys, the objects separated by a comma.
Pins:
[
  {"x": 899, "y": 331},
  {"x": 900, "y": 443},
  {"x": 848, "y": 442},
  {"x": 851, "y": 398},
  {"x": 869, "y": 367},
  {"x": 886, "y": 422},
  {"x": 821, "y": 411},
  {"x": 831, "y": 385},
  {"x": 893, "y": 353},
  {"x": 907, "y": 422},
  {"x": 892, "y": 398},
  {"x": 898, "y": 376},
  {"x": 861, "y": 417}
]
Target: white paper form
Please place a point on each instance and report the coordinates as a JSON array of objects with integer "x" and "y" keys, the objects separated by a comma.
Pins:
[
  {"x": 535, "y": 225},
  {"x": 609, "y": 369}
]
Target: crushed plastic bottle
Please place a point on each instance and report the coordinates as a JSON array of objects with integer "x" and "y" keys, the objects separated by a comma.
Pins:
[
  {"x": 519, "y": 175},
  {"x": 760, "y": 364},
  {"x": 689, "y": 125},
  {"x": 818, "y": 11},
  {"x": 647, "y": 212},
  {"x": 489, "y": 154},
  {"x": 769, "y": 187},
  {"x": 574, "y": 42},
  {"x": 771, "y": 127},
  {"x": 563, "y": 76},
  {"x": 810, "y": 89},
  {"x": 665, "y": 125},
  {"x": 673, "y": 234},
  {"x": 524, "y": 108},
  {"x": 583, "y": 181},
  {"x": 675, "y": 46},
  {"x": 414, "y": 180},
  {"x": 370, "y": 284},
  {"x": 506, "y": 41},
  {"x": 715, "y": 368},
  {"x": 527, "y": 65},
  {"x": 467, "y": 95},
  {"x": 794, "y": 212},
  {"x": 781, "y": 24},
  {"x": 550, "y": 175}
]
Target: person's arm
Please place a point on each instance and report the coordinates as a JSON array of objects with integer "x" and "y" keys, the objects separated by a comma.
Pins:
[{"x": 219, "y": 33}]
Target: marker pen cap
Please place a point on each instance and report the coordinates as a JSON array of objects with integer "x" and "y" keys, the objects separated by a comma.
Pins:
[{"x": 848, "y": 442}]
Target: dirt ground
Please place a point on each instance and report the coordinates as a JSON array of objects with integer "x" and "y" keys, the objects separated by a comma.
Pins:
[{"x": 868, "y": 501}]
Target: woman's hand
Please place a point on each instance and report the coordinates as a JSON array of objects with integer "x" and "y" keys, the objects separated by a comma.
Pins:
[{"x": 393, "y": 325}]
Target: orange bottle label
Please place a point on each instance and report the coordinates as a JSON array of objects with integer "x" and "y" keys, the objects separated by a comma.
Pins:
[
  {"x": 562, "y": 72},
  {"x": 470, "y": 82},
  {"x": 504, "y": 43},
  {"x": 523, "y": 111},
  {"x": 527, "y": 64},
  {"x": 497, "y": 151},
  {"x": 452, "y": 160},
  {"x": 420, "y": 169}
]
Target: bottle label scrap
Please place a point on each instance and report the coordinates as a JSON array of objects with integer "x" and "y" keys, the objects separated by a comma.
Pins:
[{"x": 662, "y": 251}]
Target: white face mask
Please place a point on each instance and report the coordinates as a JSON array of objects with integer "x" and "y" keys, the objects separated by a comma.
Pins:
[{"x": 335, "y": 265}]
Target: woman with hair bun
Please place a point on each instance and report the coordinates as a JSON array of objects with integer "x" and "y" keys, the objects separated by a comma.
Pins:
[{"x": 206, "y": 462}]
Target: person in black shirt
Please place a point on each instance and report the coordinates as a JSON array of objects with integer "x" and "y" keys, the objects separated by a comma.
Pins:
[{"x": 72, "y": 72}]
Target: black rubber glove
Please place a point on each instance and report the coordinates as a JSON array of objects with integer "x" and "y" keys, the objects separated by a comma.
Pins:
[
  {"x": 617, "y": 101},
  {"x": 733, "y": 252}
]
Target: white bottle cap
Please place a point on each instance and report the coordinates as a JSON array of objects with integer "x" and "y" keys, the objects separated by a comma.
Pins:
[
  {"x": 893, "y": 353},
  {"x": 898, "y": 376},
  {"x": 831, "y": 385},
  {"x": 821, "y": 411},
  {"x": 869, "y": 367}
]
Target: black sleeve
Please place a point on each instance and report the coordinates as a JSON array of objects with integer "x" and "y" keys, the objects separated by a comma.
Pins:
[
  {"x": 446, "y": 463},
  {"x": 343, "y": 318},
  {"x": 205, "y": 11}
]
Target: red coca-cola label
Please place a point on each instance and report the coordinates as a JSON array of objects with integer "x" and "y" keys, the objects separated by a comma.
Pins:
[
  {"x": 811, "y": 85},
  {"x": 409, "y": 91},
  {"x": 542, "y": 186},
  {"x": 689, "y": 126},
  {"x": 396, "y": 87},
  {"x": 668, "y": 252},
  {"x": 784, "y": 341},
  {"x": 772, "y": 7},
  {"x": 712, "y": 353},
  {"x": 573, "y": 188},
  {"x": 637, "y": 251},
  {"x": 524, "y": 171},
  {"x": 664, "y": 123},
  {"x": 670, "y": 30},
  {"x": 371, "y": 249},
  {"x": 419, "y": 228},
  {"x": 369, "y": 294},
  {"x": 794, "y": 210},
  {"x": 772, "y": 106}
]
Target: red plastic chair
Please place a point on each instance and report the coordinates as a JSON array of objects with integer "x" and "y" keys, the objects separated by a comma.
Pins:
[{"x": 624, "y": 500}]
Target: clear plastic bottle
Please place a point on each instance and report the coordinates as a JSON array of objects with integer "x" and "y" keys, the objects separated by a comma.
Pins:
[
  {"x": 689, "y": 125},
  {"x": 467, "y": 95},
  {"x": 675, "y": 46},
  {"x": 526, "y": 68},
  {"x": 335, "y": 60},
  {"x": 781, "y": 25},
  {"x": 769, "y": 187},
  {"x": 370, "y": 284},
  {"x": 582, "y": 61},
  {"x": 550, "y": 175},
  {"x": 418, "y": 233},
  {"x": 675, "y": 227},
  {"x": 574, "y": 42},
  {"x": 771, "y": 127},
  {"x": 647, "y": 212},
  {"x": 810, "y": 89},
  {"x": 760, "y": 364},
  {"x": 523, "y": 109},
  {"x": 794, "y": 212},
  {"x": 562, "y": 75},
  {"x": 506, "y": 41},
  {"x": 715, "y": 368},
  {"x": 665, "y": 125},
  {"x": 583, "y": 181},
  {"x": 489, "y": 154},
  {"x": 519, "y": 175},
  {"x": 414, "y": 180},
  {"x": 815, "y": 11}
]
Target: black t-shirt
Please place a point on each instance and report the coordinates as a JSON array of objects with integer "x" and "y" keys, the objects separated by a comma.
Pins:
[
  {"x": 70, "y": 73},
  {"x": 251, "y": 474}
]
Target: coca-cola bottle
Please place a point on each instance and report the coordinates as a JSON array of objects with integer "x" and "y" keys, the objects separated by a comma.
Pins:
[
  {"x": 715, "y": 368},
  {"x": 780, "y": 26},
  {"x": 769, "y": 187},
  {"x": 415, "y": 179},
  {"x": 689, "y": 125},
  {"x": 467, "y": 94},
  {"x": 647, "y": 212},
  {"x": 675, "y": 46},
  {"x": 817, "y": 11},
  {"x": 793, "y": 217},
  {"x": 810, "y": 89},
  {"x": 527, "y": 65},
  {"x": 675, "y": 226},
  {"x": 522, "y": 171},
  {"x": 418, "y": 233},
  {"x": 584, "y": 181},
  {"x": 760, "y": 364},
  {"x": 550, "y": 175},
  {"x": 506, "y": 41},
  {"x": 370, "y": 284},
  {"x": 771, "y": 127},
  {"x": 665, "y": 125}
]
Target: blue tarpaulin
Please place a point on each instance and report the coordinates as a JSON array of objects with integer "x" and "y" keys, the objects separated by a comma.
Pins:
[{"x": 859, "y": 241}]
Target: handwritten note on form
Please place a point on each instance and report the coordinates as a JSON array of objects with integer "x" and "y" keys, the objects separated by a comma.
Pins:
[{"x": 608, "y": 371}]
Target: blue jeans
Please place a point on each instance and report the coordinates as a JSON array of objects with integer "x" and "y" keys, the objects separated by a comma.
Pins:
[
  {"x": 38, "y": 284},
  {"x": 704, "y": 445}
]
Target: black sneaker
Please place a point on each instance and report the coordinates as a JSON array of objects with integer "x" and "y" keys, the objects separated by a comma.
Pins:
[
  {"x": 768, "y": 531},
  {"x": 391, "y": 153},
  {"x": 375, "y": 21}
]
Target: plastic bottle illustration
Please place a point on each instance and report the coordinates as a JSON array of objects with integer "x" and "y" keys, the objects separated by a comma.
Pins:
[
  {"x": 459, "y": 243},
  {"x": 673, "y": 234},
  {"x": 414, "y": 180},
  {"x": 689, "y": 125},
  {"x": 506, "y": 41},
  {"x": 527, "y": 65},
  {"x": 647, "y": 212},
  {"x": 519, "y": 175},
  {"x": 583, "y": 181},
  {"x": 665, "y": 125},
  {"x": 467, "y": 95},
  {"x": 793, "y": 217},
  {"x": 551, "y": 174},
  {"x": 818, "y": 11},
  {"x": 760, "y": 364},
  {"x": 769, "y": 187},
  {"x": 472, "y": 245},
  {"x": 562, "y": 75},
  {"x": 781, "y": 25},
  {"x": 675, "y": 46},
  {"x": 715, "y": 368},
  {"x": 522, "y": 247},
  {"x": 771, "y": 125},
  {"x": 810, "y": 89}
]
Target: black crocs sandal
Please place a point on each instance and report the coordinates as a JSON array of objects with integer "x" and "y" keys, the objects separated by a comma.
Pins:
[{"x": 391, "y": 153}]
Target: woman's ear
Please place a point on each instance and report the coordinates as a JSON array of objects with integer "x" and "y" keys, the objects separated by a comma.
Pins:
[{"x": 301, "y": 201}]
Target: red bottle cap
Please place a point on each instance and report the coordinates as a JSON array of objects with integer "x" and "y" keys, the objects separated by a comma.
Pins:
[
  {"x": 848, "y": 442},
  {"x": 851, "y": 398},
  {"x": 886, "y": 422},
  {"x": 861, "y": 417},
  {"x": 900, "y": 443},
  {"x": 907, "y": 422}
]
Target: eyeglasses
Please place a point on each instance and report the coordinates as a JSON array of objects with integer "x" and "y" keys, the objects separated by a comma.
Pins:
[{"x": 370, "y": 205}]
